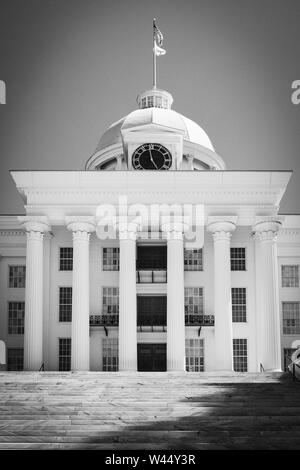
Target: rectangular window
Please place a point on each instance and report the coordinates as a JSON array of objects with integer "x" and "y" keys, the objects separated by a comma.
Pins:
[
  {"x": 240, "y": 355},
  {"x": 193, "y": 260},
  {"x": 17, "y": 276},
  {"x": 15, "y": 359},
  {"x": 291, "y": 318},
  {"x": 66, "y": 259},
  {"x": 65, "y": 304},
  {"x": 193, "y": 300},
  {"x": 194, "y": 355},
  {"x": 16, "y": 312},
  {"x": 238, "y": 295},
  {"x": 110, "y": 354},
  {"x": 290, "y": 276},
  {"x": 238, "y": 259},
  {"x": 64, "y": 354},
  {"x": 110, "y": 259},
  {"x": 287, "y": 353},
  {"x": 110, "y": 300}
]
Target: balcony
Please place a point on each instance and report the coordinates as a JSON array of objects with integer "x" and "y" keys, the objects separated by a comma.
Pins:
[
  {"x": 104, "y": 320},
  {"x": 151, "y": 276},
  {"x": 151, "y": 320},
  {"x": 199, "y": 320}
]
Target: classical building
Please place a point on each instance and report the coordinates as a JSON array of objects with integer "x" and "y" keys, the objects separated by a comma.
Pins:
[{"x": 149, "y": 298}]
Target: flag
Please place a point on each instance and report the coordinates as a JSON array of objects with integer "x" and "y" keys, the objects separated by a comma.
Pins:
[
  {"x": 158, "y": 50},
  {"x": 158, "y": 40}
]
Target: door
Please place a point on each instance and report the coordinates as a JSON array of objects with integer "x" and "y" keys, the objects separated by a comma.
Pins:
[{"x": 152, "y": 357}]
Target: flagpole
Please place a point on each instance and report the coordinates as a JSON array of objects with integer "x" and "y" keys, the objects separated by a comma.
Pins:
[{"x": 154, "y": 56}]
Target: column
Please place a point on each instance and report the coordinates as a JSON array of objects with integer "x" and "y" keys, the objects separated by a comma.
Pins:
[
  {"x": 268, "y": 315},
  {"x": 81, "y": 227},
  {"x": 175, "y": 297},
  {"x": 127, "y": 297},
  {"x": 221, "y": 229},
  {"x": 35, "y": 227}
]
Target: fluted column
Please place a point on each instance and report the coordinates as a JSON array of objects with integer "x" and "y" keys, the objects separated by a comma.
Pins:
[
  {"x": 268, "y": 315},
  {"x": 80, "y": 343},
  {"x": 175, "y": 297},
  {"x": 221, "y": 229},
  {"x": 33, "y": 328},
  {"x": 127, "y": 297}
]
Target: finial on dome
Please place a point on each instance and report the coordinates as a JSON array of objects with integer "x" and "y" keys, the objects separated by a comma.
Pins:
[{"x": 155, "y": 98}]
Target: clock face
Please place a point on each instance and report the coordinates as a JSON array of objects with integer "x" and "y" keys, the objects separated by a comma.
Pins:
[{"x": 151, "y": 157}]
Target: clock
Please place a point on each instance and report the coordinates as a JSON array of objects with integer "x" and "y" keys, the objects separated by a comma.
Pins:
[{"x": 151, "y": 157}]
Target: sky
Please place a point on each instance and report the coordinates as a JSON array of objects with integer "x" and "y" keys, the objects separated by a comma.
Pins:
[{"x": 73, "y": 67}]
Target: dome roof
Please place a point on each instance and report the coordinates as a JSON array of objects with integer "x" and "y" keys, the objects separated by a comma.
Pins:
[
  {"x": 155, "y": 116},
  {"x": 168, "y": 119}
]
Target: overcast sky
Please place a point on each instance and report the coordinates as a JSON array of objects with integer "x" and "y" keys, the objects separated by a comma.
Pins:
[{"x": 72, "y": 67}]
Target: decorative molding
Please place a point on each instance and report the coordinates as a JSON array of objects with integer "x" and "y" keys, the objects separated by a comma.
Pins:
[
  {"x": 80, "y": 223},
  {"x": 34, "y": 223},
  {"x": 221, "y": 227}
]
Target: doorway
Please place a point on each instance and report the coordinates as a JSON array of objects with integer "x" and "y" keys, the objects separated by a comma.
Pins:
[{"x": 152, "y": 357}]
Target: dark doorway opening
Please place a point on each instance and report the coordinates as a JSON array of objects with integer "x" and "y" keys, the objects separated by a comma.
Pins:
[
  {"x": 152, "y": 357},
  {"x": 152, "y": 257},
  {"x": 151, "y": 310}
]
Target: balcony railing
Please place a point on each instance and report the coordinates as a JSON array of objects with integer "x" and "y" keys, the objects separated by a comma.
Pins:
[
  {"x": 158, "y": 319},
  {"x": 104, "y": 320},
  {"x": 151, "y": 276},
  {"x": 199, "y": 320}
]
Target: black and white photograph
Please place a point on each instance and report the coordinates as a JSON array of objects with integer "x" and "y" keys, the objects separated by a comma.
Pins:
[{"x": 150, "y": 228}]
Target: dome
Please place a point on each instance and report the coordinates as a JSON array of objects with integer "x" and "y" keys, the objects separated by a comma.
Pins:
[
  {"x": 168, "y": 119},
  {"x": 155, "y": 115}
]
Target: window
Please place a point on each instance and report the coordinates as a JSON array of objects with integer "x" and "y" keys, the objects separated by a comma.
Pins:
[
  {"x": 291, "y": 318},
  {"x": 15, "y": 359},
  {"x": 110, "y": 354},
  {"x": 194, "y": 355},
  {"x": 65, "y": 304},
  {"x": 238, "y": 295},
  {"x": 110, "y": 300},
  {"x": 110, "y": 259},
  {"x": 240, "y": 355},
  {"x": 287, "y": 353},
  {"x": 238, "y": 259},
  {"x": 193, "y": 260},
  {"x": 17, "y": 276},
  {"x": 152, "y": 257},
  {"x": 193, "y": 300},
  {"x": 16, "y": 311},
  {"x": 64, "y": 354},
  {"x": 66, "y": 259},
  {"x": 290, "y": 276}
]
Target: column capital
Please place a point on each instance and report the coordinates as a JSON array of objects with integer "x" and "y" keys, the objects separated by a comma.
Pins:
[
  {"x": 267, "y": 228},
  {"x": 174, "y": 229},
  {"x": 80, "y": 223},
  {"x": 35, "y": 223},
  {"x": 127, "y": 229},
  {"x": 221, "y": 227}
]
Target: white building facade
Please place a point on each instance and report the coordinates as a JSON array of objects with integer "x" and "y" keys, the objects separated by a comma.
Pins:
[{"x": 146, "y": 298}]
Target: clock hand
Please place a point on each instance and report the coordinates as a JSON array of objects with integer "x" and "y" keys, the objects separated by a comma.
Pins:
[{"x": 151, "y": 158}]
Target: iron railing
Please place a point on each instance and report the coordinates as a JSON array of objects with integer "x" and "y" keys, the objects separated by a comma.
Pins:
[
  {"x": 157, "y": 319},
  {"x": 199, "y": 320},
  {"x": 104, "y": 320}
]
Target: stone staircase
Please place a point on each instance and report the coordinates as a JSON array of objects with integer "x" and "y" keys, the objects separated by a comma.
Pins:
[{"x": 118, "y": 411}]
